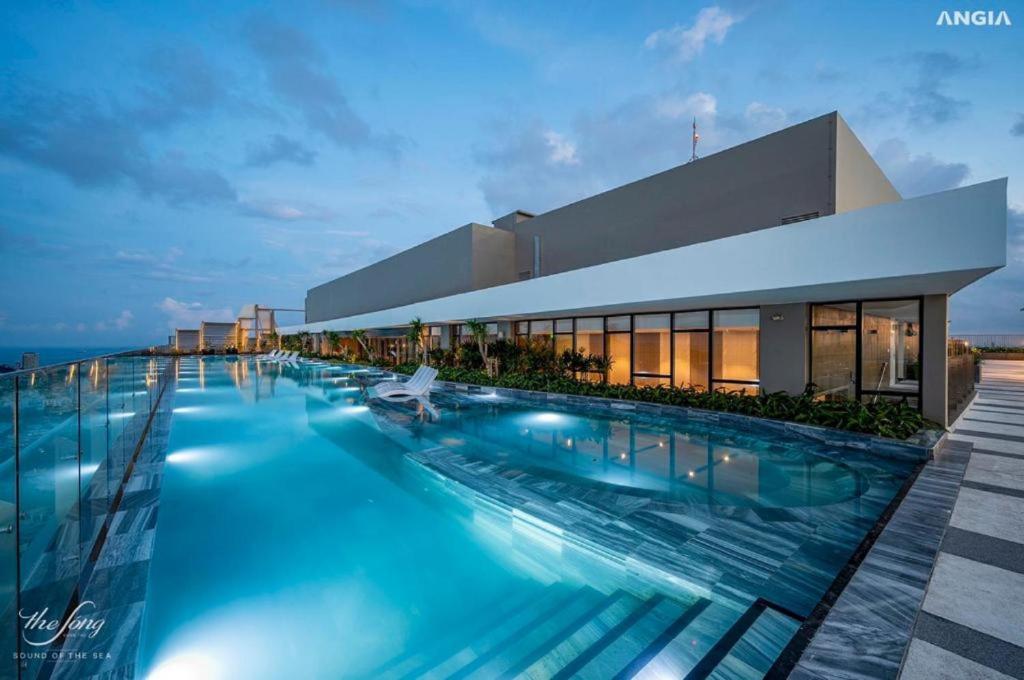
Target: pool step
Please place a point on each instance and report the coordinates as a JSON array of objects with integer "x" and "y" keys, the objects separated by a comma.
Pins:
[
  {"x": 721, "y": 643},
  {"x": 481, "y": 649},
  {"x": 627, "y": 646},
  {"x": 411, "y": 663},
  {"x": 563, "y": 632}
]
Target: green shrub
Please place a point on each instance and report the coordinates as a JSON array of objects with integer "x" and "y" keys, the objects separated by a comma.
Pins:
[{"x": 896, "y": 420}]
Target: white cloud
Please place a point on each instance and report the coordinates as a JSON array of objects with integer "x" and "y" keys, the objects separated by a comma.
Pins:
[
  {"x": 712, "y": 24},
  {"x": 284, "y": 212},
  {"x": 190, "y": 314},
  {"x": 918, "y": 175},
  {"x": 124, "y": 320},
  {"x": 159, "y": 267},
  {"x": 563, "y": 152},
  {"x": 764, "y": 117},
  {"x": 699, "y": 105}
]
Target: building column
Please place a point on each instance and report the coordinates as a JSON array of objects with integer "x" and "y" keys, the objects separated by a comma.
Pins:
[
  {"x": 783, "y": 348},
  {"x": 934, "y": 337}
]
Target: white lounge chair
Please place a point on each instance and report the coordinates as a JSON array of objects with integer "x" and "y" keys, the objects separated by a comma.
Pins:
[
  {"x": 273, "y": 354},
  {"x": 418, "y": 385},
  {"x": 287, "y": 357}
]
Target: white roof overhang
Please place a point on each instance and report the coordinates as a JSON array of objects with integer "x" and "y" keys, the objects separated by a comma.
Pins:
[{"x": 929, "y": 245}]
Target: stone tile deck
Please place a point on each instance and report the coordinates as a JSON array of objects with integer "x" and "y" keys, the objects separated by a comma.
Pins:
[{"x": 972, "y": 622}]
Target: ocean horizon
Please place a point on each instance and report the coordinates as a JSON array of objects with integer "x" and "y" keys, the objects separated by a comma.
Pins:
[{"x": 48, "y": 356}]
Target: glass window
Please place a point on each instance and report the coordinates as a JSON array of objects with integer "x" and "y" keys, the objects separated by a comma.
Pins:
[
  {"x": 522, "y": 327},
  {"x": 834, "y": 361},
  {"x": 563, "y": 341},
  {"x": 742, "y": 388},
  {"x": 540, "y": 327},
  {"x": 691, "y": 360},
  {"x": 618, "y": 323},
  {"x": 618, "y": 352},
  {"x": 839, "y": 314},
  {"x": 735, "y": 349},
  {"x": 563, "y": 326},
  {"x": 492, "y": 330},
  {"x": 590, "y": 336},
  {"x": 651, "y": 350},
  {"x": 650, "y": 380},
  {"x": 891, "y": 346},
  {"x": 690, "y": 321}
]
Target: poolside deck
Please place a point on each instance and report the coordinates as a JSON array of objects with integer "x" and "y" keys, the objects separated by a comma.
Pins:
[{"x": 971, "y": 624}]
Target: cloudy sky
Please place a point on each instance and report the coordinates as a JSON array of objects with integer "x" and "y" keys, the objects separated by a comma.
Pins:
[{"x": 165, "y": 163}]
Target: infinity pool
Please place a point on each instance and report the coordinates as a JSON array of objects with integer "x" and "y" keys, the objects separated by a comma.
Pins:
[{"x": 297, "y": 539}]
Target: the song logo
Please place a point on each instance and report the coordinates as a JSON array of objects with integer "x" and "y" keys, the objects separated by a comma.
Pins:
[{"x": 37, "y": 625}]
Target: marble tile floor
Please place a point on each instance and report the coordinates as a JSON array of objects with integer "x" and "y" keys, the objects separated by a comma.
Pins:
[
  {"x": 971, "y": 624},
  {"x": 864, "y": 633}
]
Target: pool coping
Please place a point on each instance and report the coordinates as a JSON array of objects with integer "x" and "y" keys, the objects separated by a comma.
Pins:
[{"x": 867, "y": 627}]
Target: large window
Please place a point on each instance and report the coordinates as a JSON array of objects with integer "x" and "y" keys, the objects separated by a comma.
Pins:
[
  {"x": 540, "y": 331},
  {"x": 690, "y": 350},
  {"x": 617, "y": 345},
  {"x": 734, "y": 352},
  {"x": 699, "y": 349},
  {"x": 522, "y": 333},
  {"x": 563, "y": 335},
  {"x": 652, "y": 353},
  {"x": 867, "y": 350},
  {"x": 834, "y": 349},
  {"x": 890, "y": 349},
  {"x": 590, "y": 336}
]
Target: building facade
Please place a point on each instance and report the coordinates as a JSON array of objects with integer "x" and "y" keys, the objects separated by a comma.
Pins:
[{"x": 785, "y": 261}]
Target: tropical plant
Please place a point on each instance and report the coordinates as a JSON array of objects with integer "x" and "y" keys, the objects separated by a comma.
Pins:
[
  {"x": 333, "y": 341},
  {"x": 359, "y": 335},
  {"x": 415, "y": 336},
  {"x": 893, "y": 419},
  {"x": 478, "y": 331},
  {"x": 305, "y": 341}
]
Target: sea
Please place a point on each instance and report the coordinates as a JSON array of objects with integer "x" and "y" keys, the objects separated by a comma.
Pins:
[{"x": 48, "y": 356}]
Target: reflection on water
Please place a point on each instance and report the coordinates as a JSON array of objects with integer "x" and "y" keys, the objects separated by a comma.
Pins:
[{"x": 688, "y": 461}]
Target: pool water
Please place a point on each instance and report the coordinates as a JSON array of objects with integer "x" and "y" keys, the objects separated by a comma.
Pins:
[
  {"x": 701, "y": 462},
  {"x": 296, "y": 539}
]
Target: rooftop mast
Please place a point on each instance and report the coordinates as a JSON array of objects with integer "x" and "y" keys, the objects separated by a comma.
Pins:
[{"x": 696, "y": 138}]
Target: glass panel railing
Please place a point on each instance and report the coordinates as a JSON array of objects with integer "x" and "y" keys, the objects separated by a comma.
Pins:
[
  {"x": 8, "y": 536},
  {"x": 98, "y": 482},
  {"x": 67, "y": 436},
  {"x": 48, "y": 484}
]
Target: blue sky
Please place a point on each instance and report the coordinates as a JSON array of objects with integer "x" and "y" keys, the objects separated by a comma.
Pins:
[{"x": 162, "y": 163}]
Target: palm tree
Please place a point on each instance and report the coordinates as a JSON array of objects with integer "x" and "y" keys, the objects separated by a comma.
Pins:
[
  {"x": 333, "y": 341},
  {"x": 478, "y": 331},
  {"x": 415, "y": 336},
  {"x": 305, "y": 341},
  {"x": 359, "y": 335}
]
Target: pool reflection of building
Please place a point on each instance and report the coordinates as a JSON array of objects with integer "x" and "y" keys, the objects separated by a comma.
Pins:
[
  {"x": 633, "y": 456},
  {"x": 784, "y": 261}
]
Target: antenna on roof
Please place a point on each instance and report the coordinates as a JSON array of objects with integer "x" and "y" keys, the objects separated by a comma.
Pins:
[{"x": 696, "y": 138}]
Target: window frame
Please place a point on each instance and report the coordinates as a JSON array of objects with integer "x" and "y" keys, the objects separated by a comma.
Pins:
[{"x": 858, "y": 328}]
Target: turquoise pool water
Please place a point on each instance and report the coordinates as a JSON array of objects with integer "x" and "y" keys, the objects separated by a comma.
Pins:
[{"x": 295, "y": 539}]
